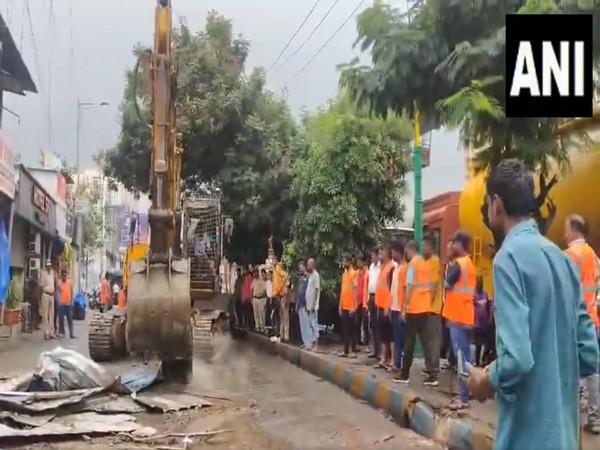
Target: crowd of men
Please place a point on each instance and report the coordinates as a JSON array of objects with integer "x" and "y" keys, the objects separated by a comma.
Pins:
[
  {"x": 404, "y": 294},
  {"x": 264, "y": 303},
  {"x": 535, "y": 345}
]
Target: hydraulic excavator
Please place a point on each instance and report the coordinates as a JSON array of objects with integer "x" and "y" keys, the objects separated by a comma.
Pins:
[{"x": 158, "y": 316}]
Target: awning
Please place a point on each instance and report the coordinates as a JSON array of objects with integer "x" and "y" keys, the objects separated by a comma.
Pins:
[{"x": 15, "y": 76}]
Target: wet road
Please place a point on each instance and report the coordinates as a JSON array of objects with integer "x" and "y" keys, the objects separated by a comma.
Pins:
[{"x": 270, "y": 404}]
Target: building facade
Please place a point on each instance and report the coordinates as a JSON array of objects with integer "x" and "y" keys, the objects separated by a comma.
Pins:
[{"x": 34, "y": 227}]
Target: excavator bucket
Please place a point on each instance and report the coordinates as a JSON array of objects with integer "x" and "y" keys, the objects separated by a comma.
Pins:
[{"x": 159, "y": 315}]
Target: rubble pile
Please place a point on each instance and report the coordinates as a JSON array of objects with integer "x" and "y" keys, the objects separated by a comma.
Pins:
[{"x": 69, "y": 395}]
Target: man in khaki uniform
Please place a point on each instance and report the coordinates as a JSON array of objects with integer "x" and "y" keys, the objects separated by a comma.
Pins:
[{"x": 48, "y": 301}]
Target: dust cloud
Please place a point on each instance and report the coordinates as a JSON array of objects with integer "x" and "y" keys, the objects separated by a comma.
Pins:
[{"x": 228, "y": 369}]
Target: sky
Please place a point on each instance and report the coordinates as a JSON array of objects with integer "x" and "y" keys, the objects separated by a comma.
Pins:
[{"x": 80, "y": 49}]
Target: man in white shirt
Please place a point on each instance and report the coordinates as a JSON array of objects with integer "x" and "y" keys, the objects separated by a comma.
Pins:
[
  {"x": 374, "y": 269},
  {"x": 48, "y": 301}
]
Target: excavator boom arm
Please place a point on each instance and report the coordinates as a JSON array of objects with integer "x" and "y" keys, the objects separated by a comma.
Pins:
[{"x": 165, "y": 164}]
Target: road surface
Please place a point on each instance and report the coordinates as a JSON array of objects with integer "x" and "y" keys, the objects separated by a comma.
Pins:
[{"x": 268, "y": 403}]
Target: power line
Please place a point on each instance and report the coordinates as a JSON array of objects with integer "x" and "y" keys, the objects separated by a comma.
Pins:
[
  {"x": 35, "y": 51},
  {"x": 311, "y": 34},
  {"x": 330, "y": 39},
  {"x": 293, "y": 36}
]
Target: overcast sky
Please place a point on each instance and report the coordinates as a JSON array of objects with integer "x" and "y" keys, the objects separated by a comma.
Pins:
[{"x": 81, "y": 48}]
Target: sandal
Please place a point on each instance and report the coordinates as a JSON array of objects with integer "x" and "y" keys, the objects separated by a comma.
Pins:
[
  {"x": 341, "y": 354},
  {"x": 352, "y": 356}
]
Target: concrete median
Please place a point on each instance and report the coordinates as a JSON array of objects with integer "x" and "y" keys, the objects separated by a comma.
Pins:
[{"x": 402, "y": 404}]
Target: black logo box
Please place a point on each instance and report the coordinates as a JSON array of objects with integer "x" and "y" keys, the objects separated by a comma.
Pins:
[{"x": 537, "y": 28}]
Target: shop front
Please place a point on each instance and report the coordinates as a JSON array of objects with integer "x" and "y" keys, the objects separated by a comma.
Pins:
[{"x": 34, "y": 226}]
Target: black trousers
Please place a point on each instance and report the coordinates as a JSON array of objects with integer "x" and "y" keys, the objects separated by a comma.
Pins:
[
  {"x": 275, "y": 318},
  {"x": 362, "y": 324},
  {"x": 349, "y": 331},
  {"x": 419, "y": 325},
  {"x": 239, "y": 311},
  {"x": 489, "y": 352},
  {"x": 248, "y": 315},
  {"x": 373, "y": 323},
  {"x": 294, "y": 324}
]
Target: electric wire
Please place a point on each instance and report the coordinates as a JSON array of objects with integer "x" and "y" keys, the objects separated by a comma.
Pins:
[
  {"x": 285, "y": 47},
  {"x": 310, "y": 35},
  {"x": 38, "y": 67},
  {"x": 318, "y": 52}
]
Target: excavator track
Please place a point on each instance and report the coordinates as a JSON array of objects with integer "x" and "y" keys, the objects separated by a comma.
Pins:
[
  {"x": 203, "y": 345},
  {"x": 106, "y": 337}
]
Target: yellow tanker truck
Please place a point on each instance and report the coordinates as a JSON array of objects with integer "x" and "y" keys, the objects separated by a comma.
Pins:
[{"x": 559, "y": 195}]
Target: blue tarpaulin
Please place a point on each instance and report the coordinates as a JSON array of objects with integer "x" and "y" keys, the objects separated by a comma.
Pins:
[
  {"x": 4, "y": 263},
  {"x": 80, "y": 300}
]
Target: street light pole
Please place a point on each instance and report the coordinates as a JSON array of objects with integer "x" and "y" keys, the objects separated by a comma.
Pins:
[{"x": 418, "y": 180}]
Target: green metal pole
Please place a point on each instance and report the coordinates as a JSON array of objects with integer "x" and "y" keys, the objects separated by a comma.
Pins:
[{"x": 418, "y": 180}]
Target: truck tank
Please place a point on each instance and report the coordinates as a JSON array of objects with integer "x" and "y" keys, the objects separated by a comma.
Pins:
[{"x": 570, "y": 195}]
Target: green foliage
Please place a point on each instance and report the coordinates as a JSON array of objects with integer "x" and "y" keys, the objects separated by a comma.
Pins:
[
  {"x": 14, "y": 296},
  {"x": 93, "y": 219},
  {"x": 348, "y": 186},
  {"x": 235, "y": 135},
  {"x": 448, "y": 61}
]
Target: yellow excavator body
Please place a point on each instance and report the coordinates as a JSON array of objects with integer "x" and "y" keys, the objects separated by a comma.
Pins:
[{"x": 158, "y": 316}]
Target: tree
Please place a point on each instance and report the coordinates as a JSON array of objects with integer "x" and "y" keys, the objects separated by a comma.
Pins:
[
  {"x": 348, "y": 186},
  {"x": 235, "y": 134},
  {"x": 447, "y": 61},
  {"x": 90, "y": 196}
]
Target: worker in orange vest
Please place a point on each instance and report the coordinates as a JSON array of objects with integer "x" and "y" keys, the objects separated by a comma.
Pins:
[
  {"x": 398, "y": 290},
  {"x": 383, "y": 303},
  {"x": 435, "y": 269},
  {"x": 588, "y": 266},
  {"x": 65, "y": 298},
  {"x": 362, "y": 300},
  {"x": 459, "y": 307},
  {"x": 121, "y": 299},
  {"x": 105, "y": 293},
  {"x": 347, "y": 308},
  {"x": 418, "y": 316}
]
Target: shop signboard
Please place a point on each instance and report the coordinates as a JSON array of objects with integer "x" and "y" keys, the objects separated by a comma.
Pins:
[{"x": 7, "y": 170}]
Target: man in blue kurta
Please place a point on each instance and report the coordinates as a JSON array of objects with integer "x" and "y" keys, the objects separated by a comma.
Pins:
[{"x": 545, "y": 337}]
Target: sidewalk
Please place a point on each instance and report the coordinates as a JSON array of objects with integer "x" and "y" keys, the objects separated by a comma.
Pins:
[
  {"x": 21, "y": 353},
  {"x": 439, "y": 397}
]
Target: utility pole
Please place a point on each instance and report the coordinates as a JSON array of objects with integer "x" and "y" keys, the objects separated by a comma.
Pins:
[{"x": 418, "y": 182}]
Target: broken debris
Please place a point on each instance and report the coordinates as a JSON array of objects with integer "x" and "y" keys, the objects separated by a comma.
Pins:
[
  {"x": 172, "y": 402},
  {"x": 74, "y": 425},
  {"x": 69, "y": 395}
]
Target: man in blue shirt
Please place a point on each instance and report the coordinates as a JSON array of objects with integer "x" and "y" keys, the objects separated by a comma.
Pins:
[{"x": 545, "y": 337}]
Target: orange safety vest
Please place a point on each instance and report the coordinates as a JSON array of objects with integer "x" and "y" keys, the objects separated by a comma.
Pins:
[
  {"x": 420, "y": 296},
  {"x": 348, "y": 290},
  {"x": 121, "y": 299},
  {"x": 459, "y": 307},
  {"x": 401, "y": 274},
  {"x": 279, "y": 281},
  {"x": 65, "y": 292},
  {"x": 364, "y": 287},
  {"x": 588, "y": 266},
  {"x": 383, "y": 295},
  {"x": 105, "y": 292}
]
